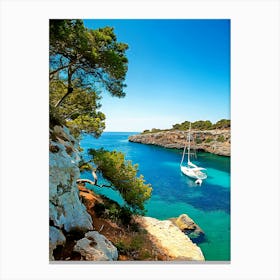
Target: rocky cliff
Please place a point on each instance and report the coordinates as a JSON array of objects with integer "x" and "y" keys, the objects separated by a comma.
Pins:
[
  {"x": 212, "y": 141},
  {"x": 67, "y": 214}
]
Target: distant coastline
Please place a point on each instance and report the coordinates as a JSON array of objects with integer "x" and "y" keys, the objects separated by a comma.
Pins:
[{"x": 215, "y": 141}]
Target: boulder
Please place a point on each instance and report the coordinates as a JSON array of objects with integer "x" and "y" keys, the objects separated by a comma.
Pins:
[
  {"x": 56, "y": 237},
  {"x": 96, "y": 247},
  {"x": 189, "y": 227},
  {"x": 170, "y": 240}
]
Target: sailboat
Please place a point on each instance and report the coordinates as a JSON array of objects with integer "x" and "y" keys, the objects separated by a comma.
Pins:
[{"x": 190, "y": 169}]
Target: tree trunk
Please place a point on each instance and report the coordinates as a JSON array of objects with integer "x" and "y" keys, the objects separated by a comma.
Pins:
[{"x": 69, "y": 88}]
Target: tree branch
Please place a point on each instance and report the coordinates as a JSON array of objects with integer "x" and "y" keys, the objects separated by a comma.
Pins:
[
  {"x": 85, "y": 181},
  {"x": 64, "y": 66},
  {"x": 69, "y": 88},
  {"x": 59, "y": 69}
]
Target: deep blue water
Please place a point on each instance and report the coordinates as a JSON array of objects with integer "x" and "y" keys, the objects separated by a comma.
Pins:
[{"x": 174, "y": 193}]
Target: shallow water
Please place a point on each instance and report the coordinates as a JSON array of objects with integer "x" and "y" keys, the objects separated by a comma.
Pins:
[{"x": 174, "y": 193}]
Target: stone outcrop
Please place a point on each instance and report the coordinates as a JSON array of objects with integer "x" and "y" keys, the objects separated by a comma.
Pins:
[
  {"x": 169, "y": 239},
  {"x": 96, "y": 247},
  {"x": 56, "y": 238},
  {"x": 212, "y": 141},
  {"x": 66, "y": 212},
  {"x": 189, "y": 227}
]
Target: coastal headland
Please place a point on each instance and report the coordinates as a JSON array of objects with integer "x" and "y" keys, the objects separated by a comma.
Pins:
[{"x": 216, "y": 141}]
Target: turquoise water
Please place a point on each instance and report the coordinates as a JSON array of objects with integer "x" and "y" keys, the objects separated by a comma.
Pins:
[{"x": 174, "y": 193}]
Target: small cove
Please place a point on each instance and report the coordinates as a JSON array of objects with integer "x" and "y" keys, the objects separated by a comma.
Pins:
[{"x": 173, "y": 193}]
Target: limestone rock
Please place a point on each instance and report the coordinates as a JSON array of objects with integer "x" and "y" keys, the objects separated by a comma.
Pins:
[
  {"x": 170, "y": 239},
  {"x": 189, "y": 227},
  {"x": 56, "y": 238},
  {"x": 209, "y": 140},
  {"x": 66, "y": 210},
  {"x": 96, "y": 247}
]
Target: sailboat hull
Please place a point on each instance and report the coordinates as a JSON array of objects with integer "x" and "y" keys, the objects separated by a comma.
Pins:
[{"x": 195, "y": 174}]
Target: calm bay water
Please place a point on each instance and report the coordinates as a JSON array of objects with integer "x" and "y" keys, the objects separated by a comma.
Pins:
[{"x": 174, "y": 193}]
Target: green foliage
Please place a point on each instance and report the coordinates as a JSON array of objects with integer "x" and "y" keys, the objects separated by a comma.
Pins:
[
  {"x": 137, "y": 242},
  {"x": 222, "y": 124},
  {"x": 123, "y": 176},
  {"x": 94, "y": 125},
  {"x": 208, "y": 140},
  {"x": 135, "y": 247},
  {"x": 183, "y": 126},
  {"x": 130, "y": 247},
  {"x": 87, "y": 55},
  {"x": 113, "y": 211},
  {"x": 154, "y": 130},
  {"x": 82, "y": 60},
  {"x": 55, "y": 118},
  {"x": 221, "y": 138},
  {"x": 202, "y": 125},
  {"x": 122, "y": 247},
  {"x": 79, "y": 111},
  {"x": 125, "y": 215},
  {"x": 85, "y": 166},
  {"x": 198, "y": 141},
  {"x": 198, "y": 125}
]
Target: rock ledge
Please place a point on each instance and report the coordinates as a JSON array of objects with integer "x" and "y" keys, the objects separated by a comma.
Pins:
[{"x": 170, "y": 239}]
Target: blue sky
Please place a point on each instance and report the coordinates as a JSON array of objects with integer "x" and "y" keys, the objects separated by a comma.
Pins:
[{"x": 178, "y": 70}]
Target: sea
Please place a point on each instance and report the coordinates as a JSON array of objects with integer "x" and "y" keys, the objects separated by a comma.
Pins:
[{"x": 174, "y": 193}]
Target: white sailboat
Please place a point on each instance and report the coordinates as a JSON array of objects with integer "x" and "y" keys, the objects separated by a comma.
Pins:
[{"x": 190, "y": 169}]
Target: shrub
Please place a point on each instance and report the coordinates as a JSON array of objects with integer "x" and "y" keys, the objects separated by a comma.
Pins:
[
  {"x": 221, "y": 138},
  {"x": 154, "y": 130},
  {"x": 123, "y": 248},
  {"x": 113, "y": 211},
  {"x": 99, "y": 209},
  {"x": 222, "y": 124},
  {"x": 131, "y": 246},
  {"x": 208, "y": 140},
  {"x": 201, "y": 125},
  {"x": 125, "y": 215},
  {"x": 137, "y": 242}
]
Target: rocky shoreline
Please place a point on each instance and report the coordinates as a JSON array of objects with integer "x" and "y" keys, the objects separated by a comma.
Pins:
[
  {"x": 170, "y": 240},
  {"x": 76, "y": 232},
  {"x": 212, "y": 141}
]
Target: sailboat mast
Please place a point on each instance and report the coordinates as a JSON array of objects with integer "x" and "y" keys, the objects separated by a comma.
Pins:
[
  {"x": 184, "y": 153},
  {"x": 189, "y": 144}
]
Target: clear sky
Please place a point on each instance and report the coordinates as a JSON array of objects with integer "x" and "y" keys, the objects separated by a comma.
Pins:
[{"x": 178, "y": 70}]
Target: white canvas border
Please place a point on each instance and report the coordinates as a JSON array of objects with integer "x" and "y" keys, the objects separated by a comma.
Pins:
[{"x": 24, "y": 137}]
